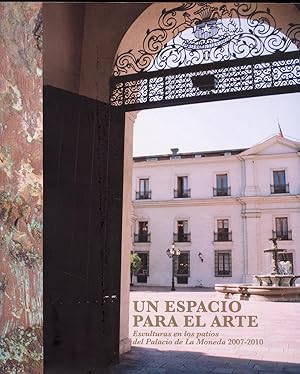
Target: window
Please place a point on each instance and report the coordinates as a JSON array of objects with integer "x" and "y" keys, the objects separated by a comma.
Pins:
[
  {"x": 222, "y": 234},
  {"x": 223, "y": 265},
  {"x": 281, "y": 229},
  {"x": 183, "y": 268},
  {"x": 182, "y": 234},
  {"x": 222, "y": 188},
  {"x": 143, "y": 235},
  {"x": 143, "y": 272},
  {"x": 144, "y": 190},
  {"x": 280, "y": 185},
  {"x": 182, "y": 188}
]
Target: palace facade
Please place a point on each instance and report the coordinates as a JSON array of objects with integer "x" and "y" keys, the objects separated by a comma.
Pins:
[{"x": 220, "y": 209}]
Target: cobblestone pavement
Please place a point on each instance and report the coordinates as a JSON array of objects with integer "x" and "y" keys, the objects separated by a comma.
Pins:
[{"x": 278, "y": 328}]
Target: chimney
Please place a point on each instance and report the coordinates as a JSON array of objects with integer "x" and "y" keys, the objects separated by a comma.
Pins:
[{"x": 174, "y": 151}]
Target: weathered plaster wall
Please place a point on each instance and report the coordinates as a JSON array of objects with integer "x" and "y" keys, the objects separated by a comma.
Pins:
[
  {"x": 20, "y": 188},
  {"x": 80, "y": 43},
  {"x": 63, "y": 30},
  {"x": 104, "y": 26}
]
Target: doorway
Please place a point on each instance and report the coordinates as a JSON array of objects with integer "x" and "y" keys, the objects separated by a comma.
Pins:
[{"x": 113, "y": 159}]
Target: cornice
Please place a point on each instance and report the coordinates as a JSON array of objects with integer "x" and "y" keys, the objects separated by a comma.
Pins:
[
  {"x": 286, "y": 198},
  {"x": 218, "y": 159},
  {"x": 184, "y": 161},
  {"x": 251, "y": 214},
  {"x": 218, "y": 201},
  {"x": 268, "y": 143},
  {"x": 268, "y": 156},
  {"x": 185, "y": 202}
]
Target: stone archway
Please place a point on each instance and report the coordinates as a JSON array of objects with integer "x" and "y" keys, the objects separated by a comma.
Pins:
[
  {"x": 200, "y": 52},
  {"x": 243, "y": 29},
  {"x": 141, "y": 65}
]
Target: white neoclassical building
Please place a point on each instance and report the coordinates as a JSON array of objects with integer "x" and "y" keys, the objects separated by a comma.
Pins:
[{"x": 220, "y": 209}]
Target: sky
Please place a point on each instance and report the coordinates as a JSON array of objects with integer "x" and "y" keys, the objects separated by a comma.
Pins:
[{"x": 228, "y": 124}]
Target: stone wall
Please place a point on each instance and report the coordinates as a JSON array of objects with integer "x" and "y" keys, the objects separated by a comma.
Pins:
[{"x": 20, "y": 187}]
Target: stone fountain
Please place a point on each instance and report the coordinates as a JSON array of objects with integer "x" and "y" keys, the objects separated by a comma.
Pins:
[
  {"x": 281, "y": 274},
  {"x": 279, "y": 285}
]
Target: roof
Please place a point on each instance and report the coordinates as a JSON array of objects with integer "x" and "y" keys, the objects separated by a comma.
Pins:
[
  {"x": 257, "y": 148},
  {"x": 189, "y": 155},
  {"x": 276, "y": 139}
]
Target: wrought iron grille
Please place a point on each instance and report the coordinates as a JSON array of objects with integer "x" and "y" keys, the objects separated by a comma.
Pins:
[
  {"x": 280, "y": 188},
  {"x": 181, "y": 237},
  {"x": 282, "y": 235},
  {"x": 223, "y": 236},
  {"x": 182, "y": 193},
  {"x": 257, "y": 76},
  {"x": 142, "y": 195},
  {"x": 182, "y": 265},
  {"x": 143, "y": 272},
  {"x": 142, "y": 238},
  {"x": 224, "y": 191},
  {"x": 223, "y": 264},
  {"x": 198, "y": 33}
]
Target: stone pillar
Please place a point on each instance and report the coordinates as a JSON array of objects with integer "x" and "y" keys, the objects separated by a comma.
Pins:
[
  {"x": 21, "y": 212},
  {"x": 125, "y": 342},
  {"x": 252, "y": 231},
  {"x": 251, "y": 187}
]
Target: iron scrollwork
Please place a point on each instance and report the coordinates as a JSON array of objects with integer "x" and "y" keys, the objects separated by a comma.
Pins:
[
  {"x": 254, "y": 76},
  {"x": 201, "y": 33}
]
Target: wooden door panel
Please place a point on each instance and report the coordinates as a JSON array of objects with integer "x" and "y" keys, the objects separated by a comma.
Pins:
[{"x": 82, "y": 233}]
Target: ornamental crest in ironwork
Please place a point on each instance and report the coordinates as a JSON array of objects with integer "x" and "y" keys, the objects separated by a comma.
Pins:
[
  {"x": 202, "y": 33},
  {"x": 210, "y": 29}
]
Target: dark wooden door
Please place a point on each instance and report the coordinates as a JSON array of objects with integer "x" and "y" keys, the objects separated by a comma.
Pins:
[{"x": 83, "y": 181}]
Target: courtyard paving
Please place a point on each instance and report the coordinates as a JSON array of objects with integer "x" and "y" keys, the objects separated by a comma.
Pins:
[{"x": 268, "y": 342}]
